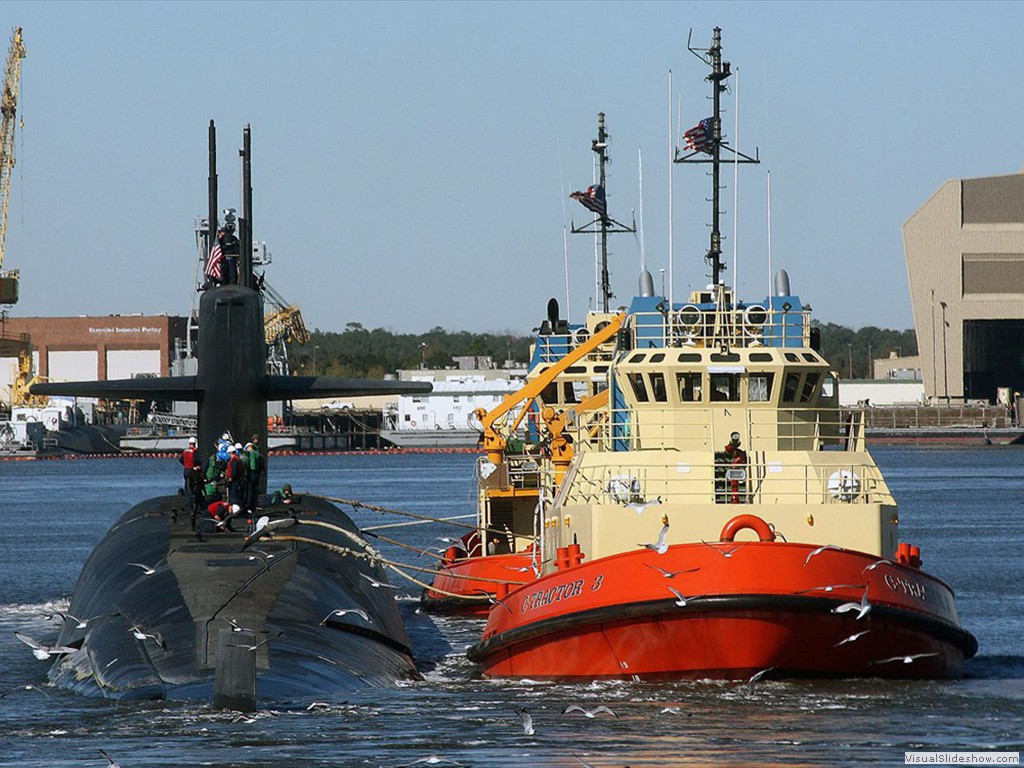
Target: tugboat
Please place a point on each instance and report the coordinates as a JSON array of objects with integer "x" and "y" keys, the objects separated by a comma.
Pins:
[
  {"x": 171, "y": 606},
  {"x": 724, "y": 521}
]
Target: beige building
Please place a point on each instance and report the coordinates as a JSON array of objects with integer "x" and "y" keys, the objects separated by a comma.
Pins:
[{"x": 965, "y": 263}]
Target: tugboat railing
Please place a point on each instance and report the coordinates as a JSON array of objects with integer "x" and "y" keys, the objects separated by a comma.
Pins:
[{"x": 742, "y": 326}]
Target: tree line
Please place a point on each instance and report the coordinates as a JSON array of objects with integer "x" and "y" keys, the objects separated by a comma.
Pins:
[{"x": 359, "y": 352}]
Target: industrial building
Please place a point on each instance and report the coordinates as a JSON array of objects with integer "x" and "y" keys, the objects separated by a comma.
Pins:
[
  {"x": 965, "y": 263},
  {"x": 94, "y": 348}
]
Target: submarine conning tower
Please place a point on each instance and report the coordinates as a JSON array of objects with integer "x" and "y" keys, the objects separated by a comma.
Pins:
[{"x": 230, "y": 374}]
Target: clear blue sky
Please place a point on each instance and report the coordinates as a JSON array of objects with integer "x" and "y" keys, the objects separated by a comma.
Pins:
[{"x": 408, "y": 157}]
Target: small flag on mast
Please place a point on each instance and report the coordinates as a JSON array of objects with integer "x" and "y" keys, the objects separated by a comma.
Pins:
[
  {"x": 214, "y": 268},
  {"x": 700, "y": 138},
  {"x": 592, "y": 199}
]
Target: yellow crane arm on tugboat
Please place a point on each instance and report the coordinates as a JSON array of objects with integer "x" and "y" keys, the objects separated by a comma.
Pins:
[{"x": 493, "y": 441}]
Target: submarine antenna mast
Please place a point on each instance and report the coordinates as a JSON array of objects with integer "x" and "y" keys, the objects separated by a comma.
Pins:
[
  {"x": 704, "y": 144},
  {"x": 9, "y": 108},
  {"x": 594, "y": 200}
]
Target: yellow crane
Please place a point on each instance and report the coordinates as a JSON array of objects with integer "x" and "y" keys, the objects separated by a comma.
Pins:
[{"x": 9, "y": 109}]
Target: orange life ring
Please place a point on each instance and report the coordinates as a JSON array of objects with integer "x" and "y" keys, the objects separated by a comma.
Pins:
[{"x": 753, "y": 522}]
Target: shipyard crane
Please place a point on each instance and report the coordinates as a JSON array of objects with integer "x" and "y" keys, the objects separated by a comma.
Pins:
[
  {"x": 282, "y": 323},
  {"x": 9, "y": 108}
]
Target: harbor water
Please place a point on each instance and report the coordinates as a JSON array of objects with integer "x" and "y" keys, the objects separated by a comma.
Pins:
[{"x": 962, "y": 506}]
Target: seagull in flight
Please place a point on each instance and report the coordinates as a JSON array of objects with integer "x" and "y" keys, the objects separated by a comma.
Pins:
[
  {"x": 28, "y": 687},
  {"x": 907, "y": 659},
  {"x": 591, "y": 713},
  {"x": 139, "y": 634},
  {"x": 41, "y": 651},
  {"x": 236, "y": 627},
  {"x": 681, "y": 601},
  {"x": 851, "y": 638},
  {"x": 640, "y": 506},
  {"x": 79, "y": 623},
  {"x": 723, "y": 552},
  {"x": 755, "y": 678},
  {"x": 671, "y": 574},
  {"x": 863, "y": 608},
  {"x": 495, "y": 600},
  {"x": 819, "y": 550},
  {"x": 265, "y": 525},
  {"x": 675, "y": 711},
  {"x": 339, "y": 612},
  {"x": 527, "y": 722},
  {"x": 110, "y": 760},
  {"x": 661, "y": 545},
  {"x": 376, "y": 583},
  {"x": 252, "y": 647},
  {"x": 146, "y": 569},
  {"x": 877, "y": 563},
  {"x": 829, "y": 588}
]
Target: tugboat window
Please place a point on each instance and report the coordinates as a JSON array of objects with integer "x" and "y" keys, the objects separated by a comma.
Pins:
[
  {"x": 658, "y": 387},
  {"x": 791, "y": 388},
  {"x": 690, "y": 390},
  {"x": 759, "y": 387},
  {"x": 810, "y": 387},
  {"x": 725, "y": 387},
  {"x": 549, "y": 395},
  {"x": 637, "y": 380}
]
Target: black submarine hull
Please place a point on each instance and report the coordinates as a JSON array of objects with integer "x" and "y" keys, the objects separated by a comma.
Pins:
[{"x": 208, "y": 604}]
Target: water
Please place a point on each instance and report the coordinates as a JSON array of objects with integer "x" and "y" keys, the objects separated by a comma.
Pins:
[{"x": 961, "y": 505}]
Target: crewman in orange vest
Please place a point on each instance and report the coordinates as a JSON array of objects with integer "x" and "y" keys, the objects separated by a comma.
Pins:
[{"x": 738, "y": 459}]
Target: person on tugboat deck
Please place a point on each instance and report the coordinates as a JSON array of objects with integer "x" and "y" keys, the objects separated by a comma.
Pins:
[{"x": 737, "y": 457}]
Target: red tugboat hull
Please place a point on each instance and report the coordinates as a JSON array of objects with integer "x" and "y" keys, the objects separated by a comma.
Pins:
[
  {"x": 748, "y": 607},
  {"x": 463, "y": 586}
]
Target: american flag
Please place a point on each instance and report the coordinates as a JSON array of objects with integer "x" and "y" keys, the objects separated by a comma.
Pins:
[
  {"x": 701, "y": 137},
  {"x": 214, "y": 267},
  {"x": 592, "y": 199}
]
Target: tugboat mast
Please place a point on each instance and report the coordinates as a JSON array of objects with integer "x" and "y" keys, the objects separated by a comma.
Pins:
[
  {"x": 594, "y": 199},
  {"x": 706, "y": 144}
]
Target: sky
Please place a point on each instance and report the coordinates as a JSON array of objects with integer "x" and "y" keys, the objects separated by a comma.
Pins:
[{"x": 412, "y": 161}]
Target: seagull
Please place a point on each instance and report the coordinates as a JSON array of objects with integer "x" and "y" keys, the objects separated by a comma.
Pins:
[
  {"x": 674, "y": 711},
  {"x": 819, "y": 550},
  {"x": 671, "y": 574},
  {"x": 376, "y": 583},
  {"x": 28, "y": 687},
  {"x": 235, "y": 627},
  {"x": 755, "y": 678},
  {"x": 495, "y": 600},
  {"x": 527, "y": 721},
  {"x": 681, "y": 602},
  {"x": 318, "y": 705},
  {"x": 877, "y": 563},
  {"x": 250, "y": 648},
  {"x": 907, "y": 659},
  {"x": 79, "y": 623},
  {"x": 110, "y": 760},
  {"x": 829, "y": 588},
  {"x": 432, "y": 760},
  {"x": 147, "y": 570},
  {"x": 863, "y": 608},
  {"x": 261, "y": 553},
  {"x": 43, "y": 652},
  {"x": 591, "y": 713},
  {"x": 640, "y": 506},
  {"x": 722, "y": 552},
  {"x": 265, "y": 525},
  {"x": 851, "y": 638},
  {"x": 138, "y": 634},
  {"x": 661, "y": 545},
  {"x": 339, "y": 612}
]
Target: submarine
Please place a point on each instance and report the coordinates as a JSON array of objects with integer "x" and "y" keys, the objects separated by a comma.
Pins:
[{"x": 294, "y": 607}]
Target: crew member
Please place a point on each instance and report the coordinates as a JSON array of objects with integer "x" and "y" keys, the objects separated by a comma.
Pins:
[
  {"x": 192, "y": 468},
  {"x": 283, "y": 496},
  {"x": 233, "y": 475},
  {"x": 737, "y": 457},
  {"x": 254, "y": 460},
  {"x": 229, "y": 247}
]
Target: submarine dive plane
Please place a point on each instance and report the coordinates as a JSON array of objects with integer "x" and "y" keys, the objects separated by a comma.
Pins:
[{"x": 162, "y": 610}]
